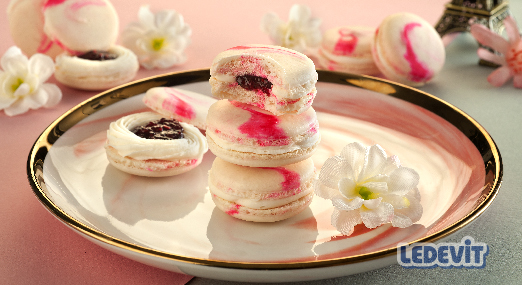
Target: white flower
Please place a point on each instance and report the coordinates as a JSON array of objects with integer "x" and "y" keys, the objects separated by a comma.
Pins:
[
  {"x": 300, "y": 33},
  {"x": 22, "y": 84},
  {"x": 368, "y": 187},
  {"x": 158, "y": 40}
]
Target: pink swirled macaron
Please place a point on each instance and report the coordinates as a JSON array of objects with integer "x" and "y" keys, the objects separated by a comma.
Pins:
[
  {"x": 182, "y": 105},
  {"x": 273, "y": 78},
  {"x": 246, "y": 135},
  {"x": 348, "y": 49},
  {"x": 80, "y": 26},
  {"x": 266, "y": 194},
  {"x": 407, "y": 49},
  {"x": 26, "y": 24}
]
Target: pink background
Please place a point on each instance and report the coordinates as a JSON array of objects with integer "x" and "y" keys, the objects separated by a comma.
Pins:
[{"x": 35, "y": 248}]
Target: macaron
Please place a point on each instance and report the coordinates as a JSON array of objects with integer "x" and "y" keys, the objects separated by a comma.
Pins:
[
  {"x": 146, "y": 144},
  {"x": 250, "y": 136},
  {"x": 348, "y": 49},
  {"x": 26, "y": 25},
  {"x": 80, "y": 26},
  {"x": 276, "y": 79},
  {"x": 97, "y": 70},
  {"x": 182, "y": 105},
  {"x": 265, "y": 194},
  {"x": 407, "y": 49}
]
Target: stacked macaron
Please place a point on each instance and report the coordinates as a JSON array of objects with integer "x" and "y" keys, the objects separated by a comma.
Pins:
[
  {"x": 81, "y": 34},
  {"x": 263, "y": 132}
]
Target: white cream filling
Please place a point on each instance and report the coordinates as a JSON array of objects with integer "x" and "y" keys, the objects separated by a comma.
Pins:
[
  {"x": 126, "y": 143},
  {"x": 258, "y": 203},
  {"x": 250, "y": 145}
]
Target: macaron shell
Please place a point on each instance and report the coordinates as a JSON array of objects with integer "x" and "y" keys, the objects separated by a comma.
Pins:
[
  {"x": 348, "y": 49},
  {"x": 292, "y": 76},
  {"x": 94, "y": 74},
  {"x": 182, "y": 105},
  {"x": 151, "y": 167},
  {"x": 81, "y": 25},
  {"x": 263, "y": 215},
  {"x": 407, "y": 49},
  {"x": 261, "y": 194},
  {"x": 247, "y": 135},
  {"x": 26, "y": 23},
  {"x": 261, "y": 187}
]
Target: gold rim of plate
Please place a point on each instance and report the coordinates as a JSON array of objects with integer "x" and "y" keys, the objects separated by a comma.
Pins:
[{"x": 482, "y": 140}]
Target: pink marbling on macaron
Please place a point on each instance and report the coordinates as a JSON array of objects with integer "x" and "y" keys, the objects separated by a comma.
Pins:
[
  {"x": 407, "y": 49},
  {"x": 348, "y": 49},
  {"x": 246, "y": 135},
  {"x": 266, "y": 194},
  {"x": 182, "y": 105},
  {"x": 287, "y": 78}
]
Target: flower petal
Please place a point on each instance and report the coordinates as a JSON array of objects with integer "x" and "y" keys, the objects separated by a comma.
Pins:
[
  {"x": 489, "y": 56},
  {"x": 345, "y": 221},
  {"x": 405, "y": 217},
  {"x": 354, "y": 154},
  {"x": 42, "y": 65},
  {"x": 344, "y": 204},
  {"x": 54, "y": 94},
  {"x": 376, "y": 187},
  {"x": 373, "y": 218},
  {"x": 325, "y": 192},
  {"x": 23, "y": 90},
  {"x": 12, "y": 52},
  {"x": 402, "y": 180},
  {"x": 372, "y": 204},
  {"x": 511, "y": 29},
  {"x": 374, "y": 162},
  {"x": 500, "y": 76},
  {"x": 146, "y": 17},
  {"x": 347, "y": 188},
  {"x": 18, "y": 107},
  {"x": 488, "y": 38},
  {"x": 299, "y": 13},
  {"x": 397, "y": 201},
  {"x": 333, "y": 169},
  {"x": 517, "y": 81}
]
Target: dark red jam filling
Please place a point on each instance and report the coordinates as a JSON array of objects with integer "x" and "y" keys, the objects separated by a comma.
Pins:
[
  {"x": 251, "y": 82},
  {"x": 98, "y": 55},
  {"x": 163, "y": 129}
]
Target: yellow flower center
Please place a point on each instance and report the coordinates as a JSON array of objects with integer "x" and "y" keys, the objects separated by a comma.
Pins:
[
  {"x": 157, "y": 43},
  {"x": 406, "y": 202},
  {"x": 19, "y": 81},
  {"x": 366, "y": 194}
]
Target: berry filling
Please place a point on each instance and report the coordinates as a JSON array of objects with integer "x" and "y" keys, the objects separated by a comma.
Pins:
[
  {"x": 252, "y": 82},
  {"x": 163, "y": 129},
  {"x": 98, "y": 55}
]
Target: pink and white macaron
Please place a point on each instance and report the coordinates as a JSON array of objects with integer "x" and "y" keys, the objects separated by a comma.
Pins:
[
  {"x": 348, "y": 49},
  {"x": 265, "y": 194},
  {"x": 147, "y": 144},
  {"x": 407, "y": 49},
  {"x": 247, "y": 135},
  {"x": 87, "y": 31},
  {"x": 182, "y": 105},
  {"x": 273, "y": 78},
  {"x": 26, "y": 24}
]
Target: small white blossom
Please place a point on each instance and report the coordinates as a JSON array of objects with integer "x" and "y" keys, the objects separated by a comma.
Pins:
[
  {"x": 300, "y": 33},
  {"x": 158, "y": 39},
  {"x": 22, "y": 84},
  {"x": 368, "y": 187}
]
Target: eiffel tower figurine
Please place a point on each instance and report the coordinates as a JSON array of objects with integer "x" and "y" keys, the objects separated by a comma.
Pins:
[{"x": 460, "y": 14}]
